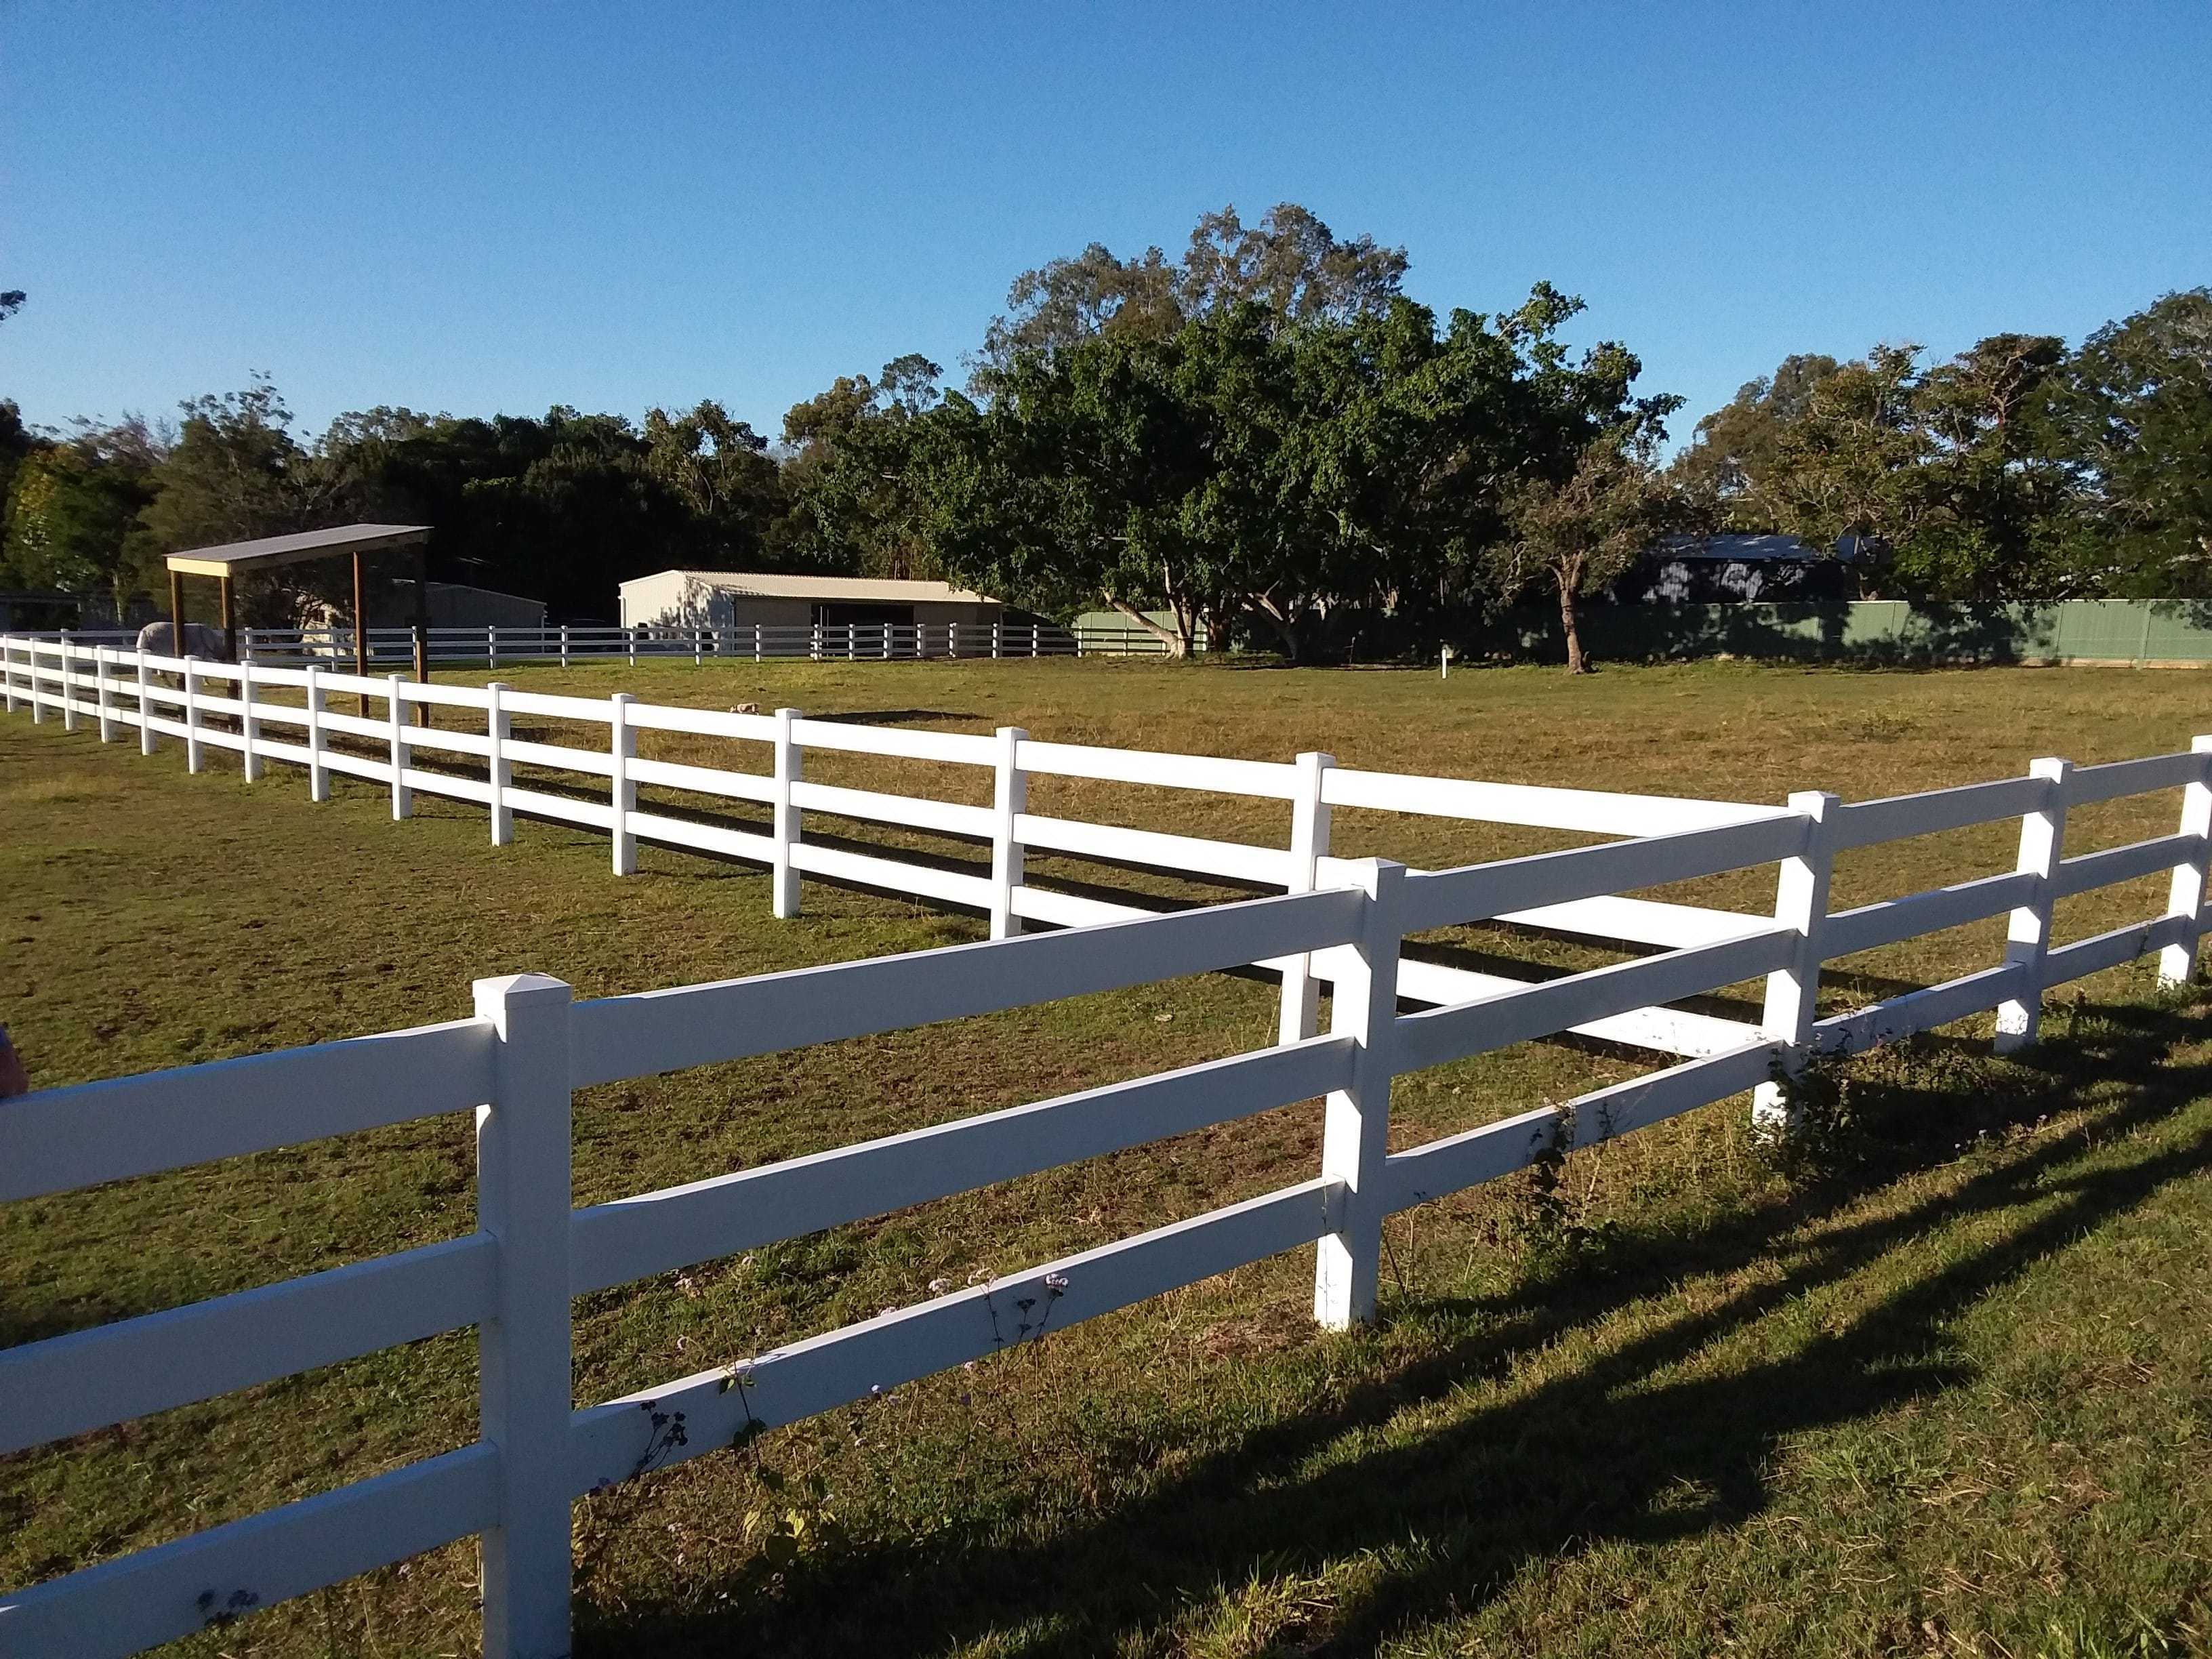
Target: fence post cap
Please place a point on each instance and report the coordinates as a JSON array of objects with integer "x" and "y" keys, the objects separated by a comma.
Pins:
[{"x": 506, "y": 989}]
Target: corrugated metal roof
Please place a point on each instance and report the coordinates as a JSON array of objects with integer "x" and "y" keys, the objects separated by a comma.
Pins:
[
  {"x": 233, "y": 556},
  {"x": 856, "y": 590},
  {"x": 1752, "y": 549}
]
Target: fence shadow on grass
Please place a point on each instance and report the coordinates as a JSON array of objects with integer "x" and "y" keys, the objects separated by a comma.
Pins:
[{"x": 1603, "y": 1453}]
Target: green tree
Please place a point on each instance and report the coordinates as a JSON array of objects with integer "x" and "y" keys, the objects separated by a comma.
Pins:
[
  {"x": 1245, "y": 468},
  {"x": 234, "y": 473},
  {"x": 855, "y": 504},
  {"x": 1580, "y": 533},
  {"x": 1291, "y": 264},
  {"x": 720, "y": 468},
  {"x": 1733, "y": 455},
  {"x": 2134, "y": 424},
  {"x": 73, "y": 512}
]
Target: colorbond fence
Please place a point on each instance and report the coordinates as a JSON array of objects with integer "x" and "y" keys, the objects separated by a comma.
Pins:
[
  {"x": 2115, "y": 632},
  {"x": 516, "y": 1064}
]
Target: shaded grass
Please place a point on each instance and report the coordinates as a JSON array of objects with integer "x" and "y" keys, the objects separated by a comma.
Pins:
[{"x": 1670, "y": 1403}]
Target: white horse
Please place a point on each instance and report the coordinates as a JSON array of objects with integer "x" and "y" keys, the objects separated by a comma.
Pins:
[{"x": 201, "y": 640}]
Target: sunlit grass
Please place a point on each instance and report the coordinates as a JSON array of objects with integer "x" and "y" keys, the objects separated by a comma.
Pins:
[{"x": 1948, "y": 1399}]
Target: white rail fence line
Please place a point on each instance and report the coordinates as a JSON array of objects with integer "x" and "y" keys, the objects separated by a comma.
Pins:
[
  {"x": 516, "y": 1063},
  {"x": 123, "y": 689},
  {"x": 564, "y": 642}
]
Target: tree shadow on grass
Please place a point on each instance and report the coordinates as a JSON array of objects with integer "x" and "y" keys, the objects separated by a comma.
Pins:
[{"x": 1443, "y": 1519}]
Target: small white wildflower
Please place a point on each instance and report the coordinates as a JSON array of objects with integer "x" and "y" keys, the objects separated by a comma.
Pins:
[
  {"x": 1055, "y": 1281},
  {"x": 939, "y": 1287}
]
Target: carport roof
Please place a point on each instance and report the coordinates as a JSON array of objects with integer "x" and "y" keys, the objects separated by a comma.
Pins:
[{"x": 232, "y": 557}]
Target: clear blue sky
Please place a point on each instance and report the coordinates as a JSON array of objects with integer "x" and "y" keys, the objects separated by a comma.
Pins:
[{"x": 478, "y": 208}]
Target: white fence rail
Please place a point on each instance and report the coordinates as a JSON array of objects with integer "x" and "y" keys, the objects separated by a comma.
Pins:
[
  {"x": 389, "y": 743},
  {"x": 702, "y": 642},
  {"x": 516, "y": 1063}
]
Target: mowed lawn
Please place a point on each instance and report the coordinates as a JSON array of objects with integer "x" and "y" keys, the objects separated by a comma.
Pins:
[{"x": 1943, "y": 1389}]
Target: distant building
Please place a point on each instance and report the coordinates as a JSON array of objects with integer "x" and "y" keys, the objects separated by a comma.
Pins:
[
  {"x": 456, "y": 604},
  {"x": 740, "y": 599},
  {"x": 1735, "y": 569}
]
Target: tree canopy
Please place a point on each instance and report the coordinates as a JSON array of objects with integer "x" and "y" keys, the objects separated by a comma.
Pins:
[{"x": 1263, "y": 438}]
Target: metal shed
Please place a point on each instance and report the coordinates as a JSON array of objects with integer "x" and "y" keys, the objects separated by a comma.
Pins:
[{"x": 724, "y": 599}]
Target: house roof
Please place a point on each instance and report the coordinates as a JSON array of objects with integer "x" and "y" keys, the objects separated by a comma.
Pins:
[
  {"x": 854, "y": 589},
  {"x": 232, "y": 557},
  {"x": 1751, "y": 550}
]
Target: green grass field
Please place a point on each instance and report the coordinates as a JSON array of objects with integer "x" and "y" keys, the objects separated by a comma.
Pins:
[{"x": 1946, "y": 1391}]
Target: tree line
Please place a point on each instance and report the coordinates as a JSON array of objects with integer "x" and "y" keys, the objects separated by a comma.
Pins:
[{"x": 1263, "y": 438}]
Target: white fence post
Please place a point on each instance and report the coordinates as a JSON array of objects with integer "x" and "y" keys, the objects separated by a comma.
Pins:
[
  {"x": 100, "y": 699},
  {"x": 525, "y": 1396},
  {"x": 501, "y": 770},
  {"x": 68, "y": 686},
  {"x": 2027, "y": 936},
  {"x": 2176, "y": 964},
  {"x": 194, "y": 759},
  {"x": 8, "y": 670},
  {"x": 249, "y": 724},
  {"x": 491, "y": 646},
  {"x": 403, "y": 798},
  {"x": 1036, "y": 640},
  {"x": 698, "y": 647},
  {"x": 246, "y": 645},
  {"x": 1800, "y": 903},
  {"x": 756, "y": 641},
  {"x": 783, "y": 898},
  {"x": 1010, "y": 798},
  {"x": 31, "y": 661},
  {"x": 621, "y": 740},
  {"x": 632, "y": 632},
  {"x": 146, "y": 733},
  {"x": 1356, "y": 1133},
  {"x": 998, "y": 630},
  {"x": 1310, "y": 816},
  {"x": 564, "y": 645},
  {"x": 319, "y": 775}
]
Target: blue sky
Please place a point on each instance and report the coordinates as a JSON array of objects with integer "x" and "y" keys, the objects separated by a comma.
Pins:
[{"x": 478, "y": 208}]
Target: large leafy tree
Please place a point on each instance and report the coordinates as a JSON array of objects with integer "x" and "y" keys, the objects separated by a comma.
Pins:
[
  {"x": 719, "y": 467},
  {"x": 1579, "y": 533},
  {"x": 2134, "y": 424},
  {"x": 1290, "y": 263},
  {"x": 234, "y": 473},
  {"x": 1943, "y": 480},
  {"x": 1248, "y": 467},
  {"x": 73, "y": 512},
  {"x": 1734, "y": 456},
  {"x": 855, "y": 503}
]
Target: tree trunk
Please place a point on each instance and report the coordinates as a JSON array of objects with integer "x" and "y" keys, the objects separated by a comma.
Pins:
[
  {"x": 1176, "y": 638},
  {"x": 1577, "y": 663}
]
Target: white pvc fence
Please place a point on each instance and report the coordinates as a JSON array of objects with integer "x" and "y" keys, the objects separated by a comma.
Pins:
[
  {"x": 212, "y": 705},
  {"x": 703, "y": 642},
  {"x": 516, "y": 1063}
]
